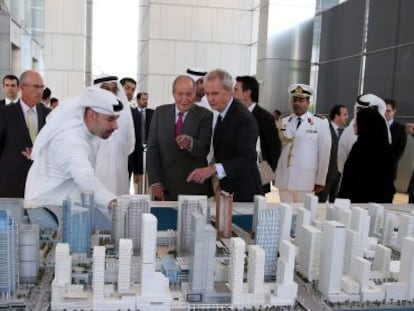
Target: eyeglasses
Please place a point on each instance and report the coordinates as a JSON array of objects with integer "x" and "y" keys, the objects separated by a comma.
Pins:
[{"x": 35, "y": 86}]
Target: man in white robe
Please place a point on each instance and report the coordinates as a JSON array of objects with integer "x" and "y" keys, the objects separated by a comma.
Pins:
[
  {"x": 65, "y": 150},
  {"x": 112, "y": 156},
  {"x": 348, "y": 137}
]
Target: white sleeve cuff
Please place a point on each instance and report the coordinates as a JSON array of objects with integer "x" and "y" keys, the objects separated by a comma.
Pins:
[{"x": 221, "y": 173}]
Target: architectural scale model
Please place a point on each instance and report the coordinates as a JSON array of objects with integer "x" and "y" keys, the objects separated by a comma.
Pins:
[{"x": 306, "y": 256}]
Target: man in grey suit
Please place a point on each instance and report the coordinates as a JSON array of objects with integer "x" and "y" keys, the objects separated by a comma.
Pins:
[
  {"x": 338, "y": 119},
  {"x": 178, "y": 142}
]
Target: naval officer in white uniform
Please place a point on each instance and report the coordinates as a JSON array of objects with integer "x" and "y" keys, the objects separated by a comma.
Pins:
[{"x": 306, "y": 146}]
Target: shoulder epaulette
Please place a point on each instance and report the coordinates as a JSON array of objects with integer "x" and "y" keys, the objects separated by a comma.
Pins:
[{"x": 320, "y": 116}]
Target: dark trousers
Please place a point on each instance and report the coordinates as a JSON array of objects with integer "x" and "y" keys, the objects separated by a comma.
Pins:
[
  {"x": 410, "y": 190},
  {"x": 330, "y": 192}
]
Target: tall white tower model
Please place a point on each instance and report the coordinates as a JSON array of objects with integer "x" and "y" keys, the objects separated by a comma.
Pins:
[
  {"x": 124, "y": 266},
  {"x": 119, "y": 214},
  {"x": 28, "y": 252},
  {"x": 352, "y": 249},
  {"x": 311, "y": 204},
  {"x": 376, "y": 214},
  {"x": 286, "y": 289},
  {"x": 139, "y": 205},
  {"x": 332, "y": 258},
  {"x": 98, "y": 281},
  {"x": 405, "y": 229},
  {"x": 309, "y": 254},
  {"x": 63, "y": 273},
  {"x": 126, "y": 219},
  {"x": 360, "y": 268},
  {"x": 154, "y": 285},
  {"x": 286, "y": 221},
  {"x": 255, "y": 269},
  {"x": 266, "y": 229},
  {"x": 9, "y": 259},
  {"x": 390, "y": 220},
  {"x": 407, "y": 265},
  {"x": 148, "y": 250},
  {"x": 360, "y": 223},
  {"x": 202, "y": 257},
  {"x": 302, "y": 219},
  {"x": 187, "y": 205},
  {"x": 382, "y": 260},
  {"x": 236, "y": 272},
  {"x": 63, "y": 270}
]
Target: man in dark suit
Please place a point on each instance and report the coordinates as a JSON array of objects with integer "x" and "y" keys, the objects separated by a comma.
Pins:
[
  {"x": 338, "y": 119},
  {"x": 135, "y": 158},
  {"x": 19, "y": 124},
  {"x": 234, "y": 141},
  {"x": 398, "y": 134},
  {"x": 246, "y": 90},
  {"x": 142, "y": 118},
  {"x": 10, "y": 90},
  {"x": 146, "y": 114},
  {"x": 178, "y": 142}
]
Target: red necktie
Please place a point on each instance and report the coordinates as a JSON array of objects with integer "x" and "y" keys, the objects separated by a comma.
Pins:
[{"x": 179, "y": 124}]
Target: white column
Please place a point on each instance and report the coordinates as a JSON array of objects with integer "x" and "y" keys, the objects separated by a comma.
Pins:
[
  {"x": 65, "y": 46},
  {"x": 213, "y": 34}
]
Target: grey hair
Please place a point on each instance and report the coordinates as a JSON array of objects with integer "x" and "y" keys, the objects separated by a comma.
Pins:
[{"x": 224, "y": 77}]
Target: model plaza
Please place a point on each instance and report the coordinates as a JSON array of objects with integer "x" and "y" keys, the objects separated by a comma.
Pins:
[{"x": 310, "y": 256}]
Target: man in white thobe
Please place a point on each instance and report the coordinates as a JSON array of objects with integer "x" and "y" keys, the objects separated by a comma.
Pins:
[
  {"x": 348, "y": 137},
  {"x": 65, "y": 150},
  {"x": 112, "y": 155}
]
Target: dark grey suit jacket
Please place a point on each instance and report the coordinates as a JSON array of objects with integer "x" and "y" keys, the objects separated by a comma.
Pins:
[
  {"x": 333, "y": 173},
  {"x": 166, "y": 162},
  {"x": 14, "y": 138},
  {"x": 270, "y": 144},
  {"x": 234, "y": 145},
  {"x": 398, "y": 142}
]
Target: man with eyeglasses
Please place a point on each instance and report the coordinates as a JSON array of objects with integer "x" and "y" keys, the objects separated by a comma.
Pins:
[
  {"x": 306, "y": 145},
  {"x": 19, "y": 125}
]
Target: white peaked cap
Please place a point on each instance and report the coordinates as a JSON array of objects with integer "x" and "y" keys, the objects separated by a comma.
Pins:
[{"x": 300, "y": 90}]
